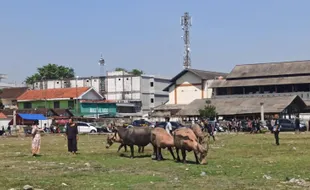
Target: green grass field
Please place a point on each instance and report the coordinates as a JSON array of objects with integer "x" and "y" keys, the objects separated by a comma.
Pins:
[{"x": 234, "y": 162}]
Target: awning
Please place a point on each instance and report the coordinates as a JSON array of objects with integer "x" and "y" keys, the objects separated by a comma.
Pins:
[{"x": 32, "y": 116}]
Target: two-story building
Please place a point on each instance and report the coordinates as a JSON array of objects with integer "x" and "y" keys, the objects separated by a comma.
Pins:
[
  {"x": 80, "y": 101},
  {"x": 188, "y": 85}
]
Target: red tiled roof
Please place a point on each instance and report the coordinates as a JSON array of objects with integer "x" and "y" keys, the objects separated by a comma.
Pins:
[
  {"x": 12, "y": 92},
  {"x": 56, "y": 93},
  {"x": 2, "y": 116}
]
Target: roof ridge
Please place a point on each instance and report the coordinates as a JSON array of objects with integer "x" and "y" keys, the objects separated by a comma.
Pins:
[
  {"x": 206, "y": 71},
  {"x": 273, "y": 62}
]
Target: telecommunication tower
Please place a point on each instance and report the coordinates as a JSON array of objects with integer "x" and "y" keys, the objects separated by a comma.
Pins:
[
  {"x": 101, "y": 64},
  {"x": 186, "y": 23}
]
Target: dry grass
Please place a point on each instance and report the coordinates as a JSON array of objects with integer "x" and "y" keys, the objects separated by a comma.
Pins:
[{"x": 235, "y": 162}]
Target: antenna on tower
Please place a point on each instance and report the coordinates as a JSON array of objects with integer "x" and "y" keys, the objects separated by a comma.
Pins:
[
  {"x": 186, "y": 23},
  {"x": 101, "y": 64}
]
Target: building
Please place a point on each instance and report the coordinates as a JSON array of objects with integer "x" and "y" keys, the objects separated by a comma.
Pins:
[
  {"x": 191, "y": 84},
  {"x": 242, "y": 107},
  {"x": 143, "y": 92},
  {"x": 135, "y": 95},
  {"x": 185, "y": 87},
  {"x": 266, "y": 79},
  {"x": 81, "y": 101},
  {"x": 97, "y": 83},
  {"x": 9, "y": 96}
]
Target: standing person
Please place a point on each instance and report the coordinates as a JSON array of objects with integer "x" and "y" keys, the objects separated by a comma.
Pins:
[
  {"x": 168, "y": 126},
  {"x": 9, "y": 130},
  {"x": 210, "y": 129},
  {"x": 36, "y": 138},
  {"x": 72, "y": 136},
  {"x": 258, "y": 127},
  {"x": 297, "y": 125},
  {"x": 276, "y": 129}
]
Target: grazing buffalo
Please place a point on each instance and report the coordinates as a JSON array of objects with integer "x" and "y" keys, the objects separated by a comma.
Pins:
[{"x": 161, "y": 139}]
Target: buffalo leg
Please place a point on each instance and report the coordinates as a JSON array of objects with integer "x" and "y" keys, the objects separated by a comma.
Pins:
[
  {"x": 196, "y": 157},
  {"x": 132, "y": 151},
  {"x": 120, "y": 146},
  {"x": 178, "y": 157},
  {"x": 125, "y": 147},
  {"x": 171, "y": 152},
  {"x": 142, "y": 149},
  {"x": 154, "y": 157},
  {"x": 184, "y": 155},
  {"x": 158, "y": 153}
]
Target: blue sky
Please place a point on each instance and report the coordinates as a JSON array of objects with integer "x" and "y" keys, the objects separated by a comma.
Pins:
[{"x": 147, "y": 34}]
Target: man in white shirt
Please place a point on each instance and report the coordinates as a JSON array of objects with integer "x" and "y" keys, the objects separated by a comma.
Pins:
[{"x": 168, "y": 126}]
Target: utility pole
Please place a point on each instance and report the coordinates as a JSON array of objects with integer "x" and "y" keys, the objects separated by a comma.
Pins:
[{"x": 186, "y": 23}]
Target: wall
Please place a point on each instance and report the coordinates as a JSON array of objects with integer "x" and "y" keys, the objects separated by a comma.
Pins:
[
  {"x": 187, "y": 94},
  {"x": 91, "y": 95},
  {"x": 171, "y": 95},
  {"x": 92, "y": 109},
  {"x": 41, "y": 104}
]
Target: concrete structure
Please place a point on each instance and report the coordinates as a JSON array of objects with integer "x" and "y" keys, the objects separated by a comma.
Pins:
[
  {"x": 143, "y": 92},
  {"x": 191, "y": 84},
  {"x": 97, "y": 83}
]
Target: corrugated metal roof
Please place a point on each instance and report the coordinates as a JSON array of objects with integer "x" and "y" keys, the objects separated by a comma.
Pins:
[
  {"x": 237, "y": 106},
  {"x": 169, "y": 107},
  {"x": 270, "y": 69},
  {"x": 260, "y": 81}
]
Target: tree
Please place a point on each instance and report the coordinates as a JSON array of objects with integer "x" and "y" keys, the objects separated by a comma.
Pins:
[
  {"x": 136, "y": 72},
  {"x": 50, "y": 72},
  {"x": 209, "y": 111}
]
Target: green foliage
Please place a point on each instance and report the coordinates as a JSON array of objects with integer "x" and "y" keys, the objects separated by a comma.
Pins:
[
  {"x": 50, "y": 72},
  {"x": 135, "y": 72},
  {"x": 209, "y": 111}
]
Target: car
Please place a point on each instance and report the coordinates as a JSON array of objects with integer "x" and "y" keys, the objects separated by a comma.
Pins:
[
  {"x": 141, "y": 123},
  {"x": 289, "y": 125},
  {"x": 175, "y": 125},
  {"x": 86, "y": 127}
]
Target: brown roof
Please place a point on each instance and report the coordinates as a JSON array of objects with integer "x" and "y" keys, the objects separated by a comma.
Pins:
[
  {"x": 9, "y": 112},
  {"x": 242, "y": 105},
  {"x": 57, "y": 93},
  {"x": 260, "y": 81},
  {"x": 12, "y": 93},
  {"x": 270, "y": 69},
  {"x": 60, "y": 111},
  {"x": 166, "y": 107},
  {"x": 2, "y": 116}
]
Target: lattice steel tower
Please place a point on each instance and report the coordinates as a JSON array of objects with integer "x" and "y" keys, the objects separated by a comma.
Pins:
[{"x": 186, "y": 23}]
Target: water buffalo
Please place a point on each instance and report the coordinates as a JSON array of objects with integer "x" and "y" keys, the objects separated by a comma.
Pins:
[
  {"x": 140, "y": 136},
  {"x": 116, "y": 138},
  {"x": 161, "y": 139},
  {"x": 186, "y": 140}
]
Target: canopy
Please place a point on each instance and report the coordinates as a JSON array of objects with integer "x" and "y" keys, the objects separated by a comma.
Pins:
[{"x": 32, "y": 116}]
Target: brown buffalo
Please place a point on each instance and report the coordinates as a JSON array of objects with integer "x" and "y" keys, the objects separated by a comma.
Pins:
[
  {"x": 186, "y": 140},
  {"x": 112, "y": 138},
  {"x": 161, "y": 139}
]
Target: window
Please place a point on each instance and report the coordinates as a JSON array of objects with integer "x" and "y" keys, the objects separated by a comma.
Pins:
[
  {"x": 151, "y": 84},
  {"x": 27, "y": 105},
  {"x": 82, "y": 124},
  {"x": 71, "y": 104},
  {"x": 57, "y": 82},
  {"x": 152, "y": 100},
  {"x": 56, "y": 104}
]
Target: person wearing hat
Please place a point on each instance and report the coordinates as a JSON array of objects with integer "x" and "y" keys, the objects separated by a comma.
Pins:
[{"x": 276, "y": 129}]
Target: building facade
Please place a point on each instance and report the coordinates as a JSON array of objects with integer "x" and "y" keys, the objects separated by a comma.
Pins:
[
  {"x": 80, "y": 101},
  {"x": 144, "y": 92},
  {"x": 191, "y": 84},
  {"x": 266, "y": 80},
  {"x": 9, "y": 96}
]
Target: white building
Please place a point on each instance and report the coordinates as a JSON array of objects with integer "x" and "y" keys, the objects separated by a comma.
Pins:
[
  {"x": 144, "y": 91},
  {"x": 191, "y": 84},
  {"x": 185, "y": 87}
]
